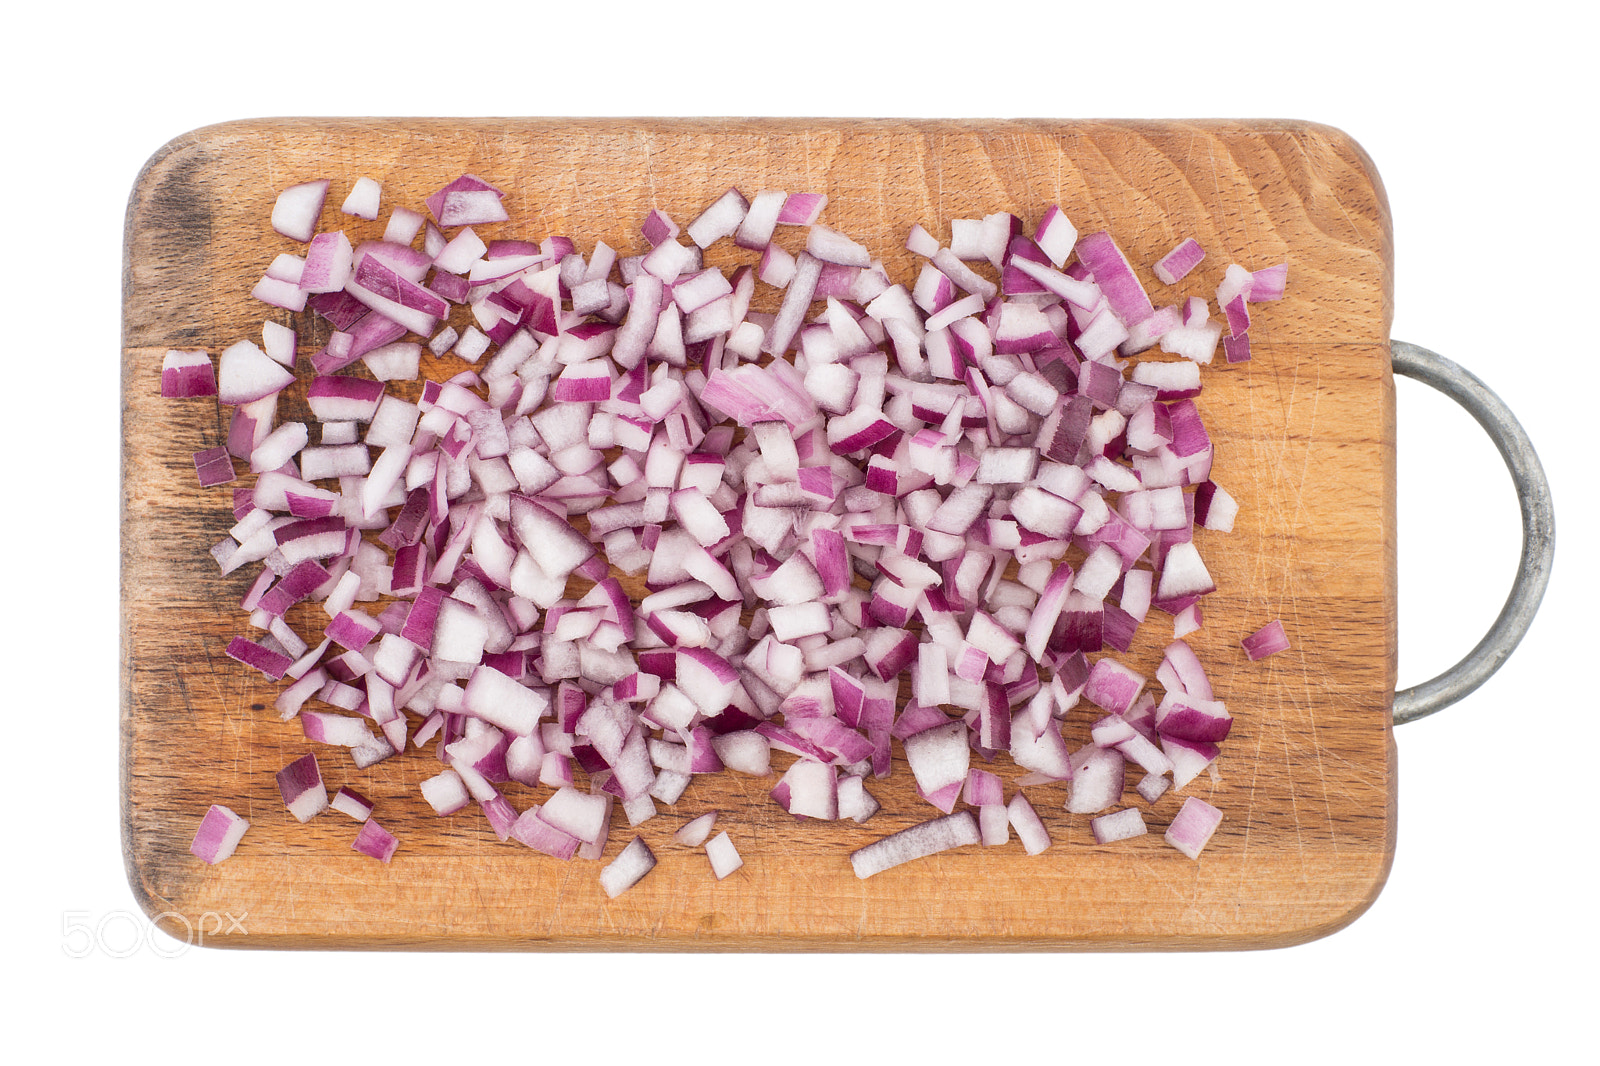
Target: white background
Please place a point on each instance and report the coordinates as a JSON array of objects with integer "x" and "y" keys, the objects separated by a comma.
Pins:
[{"x": 1482, "y": 126}]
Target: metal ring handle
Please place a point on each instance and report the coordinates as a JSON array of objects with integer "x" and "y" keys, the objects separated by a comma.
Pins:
[{"x": 1538, "y": 531}]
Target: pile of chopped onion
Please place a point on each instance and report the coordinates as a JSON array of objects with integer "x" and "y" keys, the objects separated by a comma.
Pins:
[{"x": 979, "y": 479}]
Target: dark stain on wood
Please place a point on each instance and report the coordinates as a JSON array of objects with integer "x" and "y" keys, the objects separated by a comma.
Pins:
[{"x": 167, "y": 247}]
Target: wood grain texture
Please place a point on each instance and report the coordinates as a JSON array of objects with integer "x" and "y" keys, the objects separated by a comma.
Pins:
[{"x": 1305, "y": 440}]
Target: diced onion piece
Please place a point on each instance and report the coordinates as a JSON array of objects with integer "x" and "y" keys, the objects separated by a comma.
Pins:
[
  {"x": 376, "y": 841},
  {"x": 297, "y": 209},
  {"x": 628, "y": 868},
  {"x": 218, "y": 835},
  {"x": 575, "y": 813},
  {"x": 247, "y": 374},
  {"x": 917, "y": 842},
  {"x": 348, "y": 801},
  {"x": 695, "y": 831},
  {"x": 994, "y": 824},
  {"x": 1030, "y": 829},
  {"x": 1192, "y": 829},
  {"x": 1097, "y": 779},
  {"x": 1268, "y": 640},
  {"x": 1172, "y": 267},
  {"x": 363, "y": 201},
  {"x": 300, "y": 784},
  {"x": 467, "y": 201},
  {"x": 1121, "y": 825},
  {"x": 719, "y": 220},
  {"x": 445, "y": 793},
  {"x": 723, "y": 855},
  {"x": 187, "y": 373}
]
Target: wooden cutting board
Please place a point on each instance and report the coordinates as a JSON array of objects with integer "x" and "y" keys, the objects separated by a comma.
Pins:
[{"x": 1305, "y": 440}]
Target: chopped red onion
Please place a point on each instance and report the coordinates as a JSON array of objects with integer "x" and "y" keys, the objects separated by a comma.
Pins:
[
  {"x": 297, "y": 209},
  {"x": 1268, "y": 640},
  {"x": 467, "y": 201},
  {"x": 300, "y": 784},
  {"x": 187, "y": 373},
  {"x": 1269, "y": 283},
  {"x": 247, "y": 374},
  {"x": 695, "y": 831},
  {"x": 1056, "y": 236},
  {"x": 983, "y": 789},
  {"x": 802, "y": 208},
  {"x": 745, "y": 751},
  {"x": 363, "y": 201},
  {"x": 213, "y": 466},
  {"x": 575, "y": 813},
  {"x": 1173, "y": 266},
  {"x": 1193, "y": 827},
  {"x": 1099, "y": 253},
  {"x": 1030, "y": 829},
  {"x": 628, "y": 868},
  {"x": 1097, "y": 780},
  {"x": 445, "y": 793},
  {"x": 376, "y": 841},
  {"x": 1152, "y": 787},
  {"x": 994, "y": 824},
  {"x": 917, "y": 842},
  {"x": 1188, "y": 757},
  {"x": 272, "y": 664},
  {"x": 719, "y": 220},
  {"x": 723, "y": 855},
  {"x": 939, "y": 757},
  {"x": 218, "y": 835},
  {"x": 924, "y": 438},
  {"x": 854, "y": 801},
  {"x": 1120, "y": 825},
  {"x": 1190, "y": 718},
  {"x": 541, "y": 836},
  {"x": 1237, "y": 347},
  {"x": 348, "y": 801},
  {"x": 1112, "y": 686}
]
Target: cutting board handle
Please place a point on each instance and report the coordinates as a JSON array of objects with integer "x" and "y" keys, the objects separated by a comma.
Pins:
[{"x": 1538, "y": 531}]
